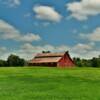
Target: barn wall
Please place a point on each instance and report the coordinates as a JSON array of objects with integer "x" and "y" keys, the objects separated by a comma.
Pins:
[
  {"x": 44, "y": 64},
  {"x": 66, "y": 61}
]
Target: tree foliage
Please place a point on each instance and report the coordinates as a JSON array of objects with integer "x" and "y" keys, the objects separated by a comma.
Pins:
[
  {"x": 3, "y": 63},
  {"x": 14, "y": 60},
  {"x": 94, "y": 62}
]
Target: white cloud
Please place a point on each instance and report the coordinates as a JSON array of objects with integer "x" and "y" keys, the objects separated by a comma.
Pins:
[
  {"x": 29, "y": 37},
  {"x": 83, "y": 9},
  {"x": 28, "y": 51},
  {"x": 45, "y": 24},
  {"x": 31, "y": 48},
  {"x": 82, "y": 48},
  {"x": 86, "y": 51},
  {"x": 7, "y": 31},
  {"x": 94, "y": 36},
  {"x": 74, "y": 31},
  {"x": 27, "y": 15},
  {"x": 16, "y": 2},
  {"x": 11, "y": 3},
  {"x": 47, "y": 13},
  {"x": 3, "y": 49}
]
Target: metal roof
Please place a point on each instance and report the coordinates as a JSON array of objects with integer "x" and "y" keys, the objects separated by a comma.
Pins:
[
  {"x": 47, "y": 57},
  {"x": 45, "y": 60},
  {"x": 40, "y": 55}
]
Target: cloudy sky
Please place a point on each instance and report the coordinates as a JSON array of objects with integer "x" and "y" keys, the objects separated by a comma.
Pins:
[{"x": 31, "y": 26}]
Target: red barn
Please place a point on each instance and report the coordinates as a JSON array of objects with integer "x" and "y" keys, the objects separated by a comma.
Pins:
[{"x": 52, "y": 59}]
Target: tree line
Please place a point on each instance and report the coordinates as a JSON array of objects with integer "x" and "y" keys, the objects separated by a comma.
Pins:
[
  {"x": 15, "y": 61},
  {"x": 94, "y": 62},
  {"x": 12, "y": 61}
]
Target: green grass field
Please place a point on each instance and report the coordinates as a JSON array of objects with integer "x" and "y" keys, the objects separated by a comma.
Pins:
[{"x": 49, "y": 84}]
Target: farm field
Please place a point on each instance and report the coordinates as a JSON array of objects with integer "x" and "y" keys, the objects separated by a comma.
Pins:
[{"x": 28, "y": 83}]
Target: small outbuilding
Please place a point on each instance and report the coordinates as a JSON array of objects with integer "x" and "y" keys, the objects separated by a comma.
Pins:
[{"x": 52, "y": 60}]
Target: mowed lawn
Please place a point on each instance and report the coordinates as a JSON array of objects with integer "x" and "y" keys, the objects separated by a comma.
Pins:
[{"x": 29, "y": 83}]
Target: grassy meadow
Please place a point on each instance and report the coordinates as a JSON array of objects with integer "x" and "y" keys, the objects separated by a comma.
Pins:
[{"x": 28, "y": 83}]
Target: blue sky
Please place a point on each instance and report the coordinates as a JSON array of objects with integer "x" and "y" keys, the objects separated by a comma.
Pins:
[{"x": 30, "y": 26}]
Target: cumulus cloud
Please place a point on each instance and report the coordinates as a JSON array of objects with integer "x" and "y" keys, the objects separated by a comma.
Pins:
[
  {"x": 16, "y": 2},
  {"x": 81, "y": 10},
  {"x": 7, "y": 31},
  {"x": 29, "y": 47},
  {"x": 94, "y": 36},
  {"x": 86, "y": 51},
  {"x": 47, "y": 13},
  {"x": 29, "y": 37},
  {"x": 3, "y": 49},
  {"x": 28, "y": 51},
  {"x": 82, "y": 48}
]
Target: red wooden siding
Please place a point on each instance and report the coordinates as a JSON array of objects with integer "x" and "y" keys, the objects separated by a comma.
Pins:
[
  {"x": 52, "y": 60},
  {"x": 66, "y": 61}
]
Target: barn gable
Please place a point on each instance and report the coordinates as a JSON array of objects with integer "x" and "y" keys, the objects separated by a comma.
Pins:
[
  {"x": 52, "y": 59},
  {"x": 66, "y": 61}
]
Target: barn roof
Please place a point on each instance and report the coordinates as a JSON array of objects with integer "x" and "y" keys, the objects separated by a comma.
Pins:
[
  {"x": 47, "y": 57},
  {"x": 40, "y": 55},
  {"x": 45, "y": 60}
]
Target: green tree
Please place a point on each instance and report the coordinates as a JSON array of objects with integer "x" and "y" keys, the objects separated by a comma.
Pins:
[
  {"x": 3, "y": 63},
  {"x": 14, "y": 60},
  {"x": 94, "y": 62},
  {"x": 77, "y": 62}
]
